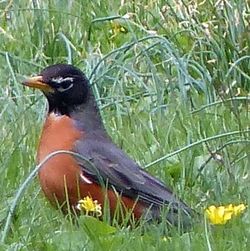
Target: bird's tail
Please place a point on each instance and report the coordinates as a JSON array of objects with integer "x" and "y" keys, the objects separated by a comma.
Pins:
[{"x": 177, "y": 214}]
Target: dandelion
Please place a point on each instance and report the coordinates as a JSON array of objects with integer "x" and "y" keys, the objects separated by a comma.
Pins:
[
  {"x": 239, "y": 209},
  {"x": 222, "y": 214},
  {"x": 88, "y": 205},
  {"x": 117, "y": 28}
]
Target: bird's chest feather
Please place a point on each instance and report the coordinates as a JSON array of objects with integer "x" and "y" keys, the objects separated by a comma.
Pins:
[
  {"x": 59, "y": 133},
  {"x": 61, "y": 171}
]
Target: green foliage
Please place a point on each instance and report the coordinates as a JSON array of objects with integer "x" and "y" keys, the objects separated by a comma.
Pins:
[{"x": 172, "y": 81}]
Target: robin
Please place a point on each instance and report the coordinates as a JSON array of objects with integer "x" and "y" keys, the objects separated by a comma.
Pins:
[{"x": 73, "y": 123}]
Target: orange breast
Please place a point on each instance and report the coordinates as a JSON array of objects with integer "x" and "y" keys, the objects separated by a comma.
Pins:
[{"x": 61, "y": 173}]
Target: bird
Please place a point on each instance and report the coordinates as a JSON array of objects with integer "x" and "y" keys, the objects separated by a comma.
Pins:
[{"x": 105, "y": 172}]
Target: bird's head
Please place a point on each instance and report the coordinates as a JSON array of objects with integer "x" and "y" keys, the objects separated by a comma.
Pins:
[{"x": 64, "y": 85}]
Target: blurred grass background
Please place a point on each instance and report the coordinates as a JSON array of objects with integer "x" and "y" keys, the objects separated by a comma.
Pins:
[{"x": 172, "y": 81}]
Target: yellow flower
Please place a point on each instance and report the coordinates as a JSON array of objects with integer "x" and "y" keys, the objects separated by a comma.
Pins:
[
  {"x": 87, "y": 204},
  {"x": 239, "y": 209},
  {"x": 117, "y": 28},
  {"x": 218, "y": 215},
  {"x": 222, "y": 214}
]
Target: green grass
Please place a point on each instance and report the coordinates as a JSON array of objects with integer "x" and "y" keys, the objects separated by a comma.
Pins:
[{"x": 173, "y": 87}]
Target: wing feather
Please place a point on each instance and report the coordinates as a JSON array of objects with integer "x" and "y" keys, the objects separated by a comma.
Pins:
[{"x": 111, "y": 165}]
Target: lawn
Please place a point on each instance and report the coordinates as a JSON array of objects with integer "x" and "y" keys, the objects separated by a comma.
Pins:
[{"x": 172, "y": 81}]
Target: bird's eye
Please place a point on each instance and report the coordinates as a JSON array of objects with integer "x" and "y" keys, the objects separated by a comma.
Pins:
[{"x": 64, "y": 86}]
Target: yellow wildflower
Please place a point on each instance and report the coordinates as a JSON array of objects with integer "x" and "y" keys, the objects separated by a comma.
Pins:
[
  {"x": 117, "y": 28},
  {"x": 88, "y": 205},
  {"x": 218, "y": 215},
  {"x": 239, "y": 209},
  {"x": 222, "y": 214}
]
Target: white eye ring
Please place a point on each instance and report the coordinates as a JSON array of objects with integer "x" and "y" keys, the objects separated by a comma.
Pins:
[
  {"x": 61, "y": 89},
  {"x": 60, "y": 79}
]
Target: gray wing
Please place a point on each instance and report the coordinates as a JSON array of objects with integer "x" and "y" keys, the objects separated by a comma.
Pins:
[{"x": 107, "y": 164}]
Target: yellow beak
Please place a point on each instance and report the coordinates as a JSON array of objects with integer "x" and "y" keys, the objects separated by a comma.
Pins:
[{"x": 37, "y": 82}]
